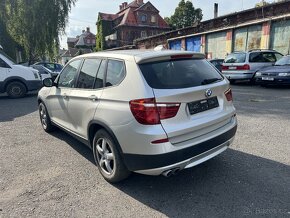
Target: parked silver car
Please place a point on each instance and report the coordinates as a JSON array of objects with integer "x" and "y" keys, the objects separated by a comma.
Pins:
[
  {"x": 150, "y": 112},
  {"x": 244, "y": 65}
]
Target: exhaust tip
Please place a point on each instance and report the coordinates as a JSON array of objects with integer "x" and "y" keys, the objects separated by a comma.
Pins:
[{"x": 171, "y": 172}]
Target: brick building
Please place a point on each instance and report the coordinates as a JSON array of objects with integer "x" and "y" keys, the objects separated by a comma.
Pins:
[
  {"x": 85, "y": 40},
  {"x": 134, "y": 20}
]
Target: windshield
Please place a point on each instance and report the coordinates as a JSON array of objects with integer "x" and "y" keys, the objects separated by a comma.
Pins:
[
  {"x": 236, "y": 58},
  {"x": 178, "y": 74},
  {"x": 283, "y": 61},
  {"x": 8, "y": 59}
]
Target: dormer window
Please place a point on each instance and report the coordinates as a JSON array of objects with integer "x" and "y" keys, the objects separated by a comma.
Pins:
[
  {"x": 153, "y": 19},
  {"x": 143, "y": 17}
]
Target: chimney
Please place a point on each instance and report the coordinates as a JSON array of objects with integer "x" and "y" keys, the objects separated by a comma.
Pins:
[
  {"x": 120, "y": 7},
  {"x": 216, "y": 9},
  {"x": 88, "y": 29},
  {"x": 139, "y": 2},
  {"x": 83, "y": 31},
  {"x": 125, "y": 4}
]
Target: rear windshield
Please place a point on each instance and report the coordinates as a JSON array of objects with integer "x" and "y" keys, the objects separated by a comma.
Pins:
[
  {"x": 177, "y": 74},
  {"x": 236, "y": 58}
]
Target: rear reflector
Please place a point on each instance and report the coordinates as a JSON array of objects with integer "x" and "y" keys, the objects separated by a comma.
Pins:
[
  {"x": 148, "y": 112},
  {"x": 229, "y": 94},
  {"x": 160, "y": 141}
]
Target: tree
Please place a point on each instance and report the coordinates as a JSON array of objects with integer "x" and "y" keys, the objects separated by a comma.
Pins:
[
  {"x": 36, "y": 24},
  {"x": 185, "y": 15},
  {"x": 262, "y": 4}
]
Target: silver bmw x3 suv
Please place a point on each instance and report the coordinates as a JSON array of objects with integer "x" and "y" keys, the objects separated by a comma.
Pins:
[{"x": 150, "y": 112}]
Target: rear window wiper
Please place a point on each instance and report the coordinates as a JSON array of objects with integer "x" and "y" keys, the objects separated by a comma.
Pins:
[{"x": 212, "y": 80}]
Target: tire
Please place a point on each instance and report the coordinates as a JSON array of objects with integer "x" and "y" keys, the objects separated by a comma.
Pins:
[
  {"x": 16, "y": 89},
  {"x": 108, "y": 159},
  {"x": 45, "y": 119}
]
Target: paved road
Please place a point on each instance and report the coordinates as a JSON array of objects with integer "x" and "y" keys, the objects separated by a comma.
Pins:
[{"x": 44, "y": 175}]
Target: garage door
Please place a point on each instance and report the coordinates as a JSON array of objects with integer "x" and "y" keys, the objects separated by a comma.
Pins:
[
  {"x": 216, "y": 45},
  {"x": 248, "y": 38},
  {"x": 175, "y": 45},
  {"x": 280, "y": 36},
  {"x": 193, "y": 43}
]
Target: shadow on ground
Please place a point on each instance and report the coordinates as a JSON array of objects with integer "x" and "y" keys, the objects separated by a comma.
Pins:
[
  {"x": 233, "y": 184},
  {"x": 13, "y": 108}
]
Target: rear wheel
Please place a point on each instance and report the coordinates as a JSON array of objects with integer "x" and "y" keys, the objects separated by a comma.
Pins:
[
  {"x": 16, "y": 89},
  {"x": 108, "y": 158}
]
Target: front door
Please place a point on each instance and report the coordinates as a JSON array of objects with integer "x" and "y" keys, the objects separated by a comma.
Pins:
[
  {"x": 60, "y": 95},
  {"x": 3, "y": 73}
]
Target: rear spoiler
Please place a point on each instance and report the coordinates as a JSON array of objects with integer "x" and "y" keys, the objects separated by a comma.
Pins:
[{"x": 172, "y": 56}]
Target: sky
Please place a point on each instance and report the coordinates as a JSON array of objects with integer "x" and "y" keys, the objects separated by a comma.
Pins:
[{"x": 85, "y": 12}]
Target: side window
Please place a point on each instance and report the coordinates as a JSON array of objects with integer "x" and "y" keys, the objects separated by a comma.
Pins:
[
  {"x": 278, "y": 56},
  {"x": 101, "y": 74},
  {"x": 256, "y": 57},
  {"x": 88, "y": 73},
  {"x": 115, "y": 72},
  {"x": 49, "y": 66},
  {"x": 269, "y": 57},
  {"x": 68, "y": 75},
  {"x": 3, "y": 64}
]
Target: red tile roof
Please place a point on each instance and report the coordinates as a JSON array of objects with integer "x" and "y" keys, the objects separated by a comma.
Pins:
[{"x": 129, "y": 17}]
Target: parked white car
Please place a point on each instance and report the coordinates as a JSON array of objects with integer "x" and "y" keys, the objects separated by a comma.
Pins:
[
  {"x": 150, "y": 112},
  {"x": 17, "y": 80}
]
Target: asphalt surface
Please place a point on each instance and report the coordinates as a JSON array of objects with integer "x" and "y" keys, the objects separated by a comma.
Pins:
[{"x": 53, "y": 175}]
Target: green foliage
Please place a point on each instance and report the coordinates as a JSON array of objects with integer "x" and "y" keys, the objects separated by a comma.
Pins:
[
  {"x": 262, "y": 3},
  {"x": 185, "y": 15},
  {"x": 36, "y": 24},
  {"x": 103, "y": 29}
]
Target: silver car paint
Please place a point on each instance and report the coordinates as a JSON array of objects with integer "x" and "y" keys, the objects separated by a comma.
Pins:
[{"x": 72, "y": 109}]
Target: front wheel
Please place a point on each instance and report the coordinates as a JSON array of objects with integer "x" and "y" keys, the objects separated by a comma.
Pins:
[
  {"x": 45, "y": 119},
  {"x": 108, "y": 158},
  {"x": 16, "y": 89}
]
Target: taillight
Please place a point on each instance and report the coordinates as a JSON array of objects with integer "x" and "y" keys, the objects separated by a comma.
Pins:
[
  {"x": 148, "y": 112},
  {"x": 229, "y": 94},
  {"x": 225, "y": 67},
  {"x": 244, "y": 67}
]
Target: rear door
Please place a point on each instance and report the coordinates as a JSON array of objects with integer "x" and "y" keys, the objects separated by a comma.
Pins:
[
  {"x": 198, "y": 88},
  {"x": 258, "y": 60},
  {"x": 85, "y": 98}
]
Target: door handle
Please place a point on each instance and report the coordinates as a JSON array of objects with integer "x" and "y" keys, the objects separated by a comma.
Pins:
[{"x": 93, "y": 98}]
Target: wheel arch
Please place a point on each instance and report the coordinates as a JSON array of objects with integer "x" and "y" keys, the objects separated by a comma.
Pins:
[
  {"x": 96, "y": 125},
  {"x": 14, "y": 79}
]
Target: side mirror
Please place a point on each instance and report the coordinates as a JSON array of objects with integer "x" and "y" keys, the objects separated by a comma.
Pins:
[{"x": 47, "y": 82}]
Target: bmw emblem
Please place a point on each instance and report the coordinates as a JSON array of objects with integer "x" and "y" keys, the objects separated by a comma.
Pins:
[{"x": 208, "y": 93}]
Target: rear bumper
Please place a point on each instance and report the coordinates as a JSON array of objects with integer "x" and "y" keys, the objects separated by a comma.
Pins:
[
  {"x": 184, "y": 158},
  {"x": 238, "y": 75}
]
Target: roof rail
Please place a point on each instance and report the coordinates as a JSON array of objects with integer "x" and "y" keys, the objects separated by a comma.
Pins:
[{"x": 258, "y": 49}]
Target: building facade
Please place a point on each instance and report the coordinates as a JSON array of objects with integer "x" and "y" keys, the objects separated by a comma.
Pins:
[
  {"x": 134, "y": 20},
  {"x": 266, "y": 27}
]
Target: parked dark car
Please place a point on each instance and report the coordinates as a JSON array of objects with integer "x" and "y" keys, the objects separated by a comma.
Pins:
[
  {"x": 279, "y": 73},
  {"x": 44, "y": 72},
  {"x": 217, "y": 63}
]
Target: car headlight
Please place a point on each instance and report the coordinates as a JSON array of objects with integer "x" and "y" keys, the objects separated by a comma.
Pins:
[
  {"x": 284, "y": 74},
  {"x": 258, "y": 74}
]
